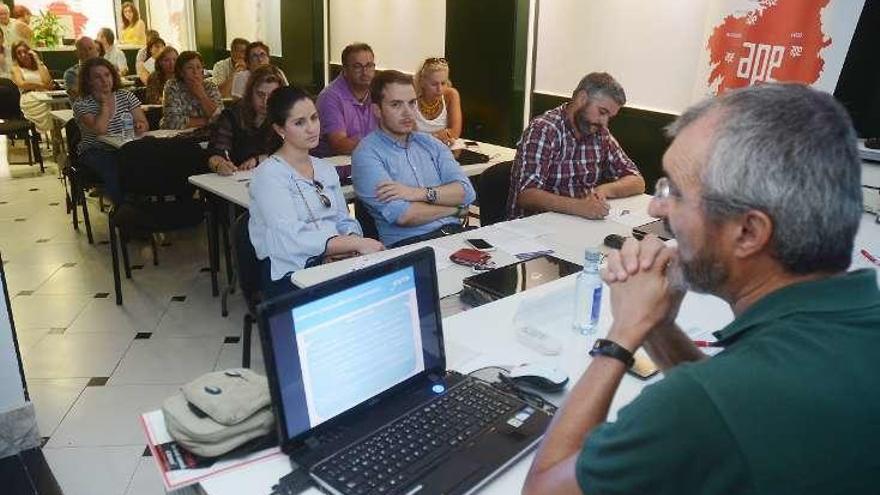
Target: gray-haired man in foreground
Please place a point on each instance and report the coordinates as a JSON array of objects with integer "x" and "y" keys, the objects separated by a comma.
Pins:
[{"x": 762, "y": 191}]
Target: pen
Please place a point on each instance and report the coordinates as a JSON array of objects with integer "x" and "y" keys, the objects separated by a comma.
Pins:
[
  {"x": 870, "y": 257},
  {"x": 706, "y": 343}
]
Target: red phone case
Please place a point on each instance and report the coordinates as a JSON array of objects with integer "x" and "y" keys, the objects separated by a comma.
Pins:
[{"x": 470, "y": 257}]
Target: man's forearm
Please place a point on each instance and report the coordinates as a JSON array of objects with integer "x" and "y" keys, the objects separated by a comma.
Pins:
[
  {"x": 342, "y": 145},
  {"x": 537, "y": 201},
  {"x": 629, "y": 185},
  {"x": 451, "y": 194},
  {"x": 669, "y": 346},
  {"x": 420, "y": 213},
  {"x": 585, "y": 408}
]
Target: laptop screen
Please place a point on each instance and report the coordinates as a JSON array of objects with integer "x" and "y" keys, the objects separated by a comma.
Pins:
[{"x": 348, "y": 340}]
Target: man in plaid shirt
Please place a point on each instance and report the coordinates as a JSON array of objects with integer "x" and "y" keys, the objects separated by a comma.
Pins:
[{"x": 567, "y": 161}]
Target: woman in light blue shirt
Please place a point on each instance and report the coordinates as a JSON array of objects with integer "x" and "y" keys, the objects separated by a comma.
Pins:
[{"x": 298, "y": 213}]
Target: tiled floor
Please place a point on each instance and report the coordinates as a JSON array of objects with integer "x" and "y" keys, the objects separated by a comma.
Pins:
[{"x": 92, "y": 366}]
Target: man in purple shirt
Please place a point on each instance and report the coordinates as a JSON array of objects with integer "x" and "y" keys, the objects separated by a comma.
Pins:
[{"x": 344, "y": 105}]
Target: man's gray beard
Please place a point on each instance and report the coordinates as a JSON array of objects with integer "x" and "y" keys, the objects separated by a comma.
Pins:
[{"x": 703, "y": 275}]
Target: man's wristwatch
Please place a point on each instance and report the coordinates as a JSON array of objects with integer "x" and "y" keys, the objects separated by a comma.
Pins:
[
  {"x": 609, "y": 348},
  {"x": 431, "y": 195}
]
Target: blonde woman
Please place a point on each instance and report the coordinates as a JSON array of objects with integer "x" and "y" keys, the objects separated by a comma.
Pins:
[{"x": 439, "y": 103}]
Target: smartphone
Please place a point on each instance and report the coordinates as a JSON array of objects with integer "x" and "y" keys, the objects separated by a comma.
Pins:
[
  {"x": 643, "y": 367},
  {"x": 480, "y": 244}
]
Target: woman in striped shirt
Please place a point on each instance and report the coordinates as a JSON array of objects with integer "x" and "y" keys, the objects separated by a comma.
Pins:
[{"x": 100, "y": 111}]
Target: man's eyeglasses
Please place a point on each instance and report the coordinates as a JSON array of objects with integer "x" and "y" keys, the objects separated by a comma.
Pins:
[
  {"x": 663, "y": 189},
  {"x": 319, "y": 188},
  {"x": 436, "y": 60},
  {"x": 363, "y": 67}
]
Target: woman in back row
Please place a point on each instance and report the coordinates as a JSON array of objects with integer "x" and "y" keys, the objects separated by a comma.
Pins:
[
  {"x": 30, "y": 74},
  {"x": 100, "y": 110},
  {"x": 299, "y": 217},
  {"x": 242, "y": 137},
  {"x": 164, "y": 72},
  {"x": 189, "y": 100}
]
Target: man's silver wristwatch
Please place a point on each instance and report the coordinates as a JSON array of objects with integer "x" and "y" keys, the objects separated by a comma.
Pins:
[{"x": 431, "y": 195}]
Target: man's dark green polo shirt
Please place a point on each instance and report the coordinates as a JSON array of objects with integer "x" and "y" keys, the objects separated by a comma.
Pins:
[{"x": 791, "y": 406}]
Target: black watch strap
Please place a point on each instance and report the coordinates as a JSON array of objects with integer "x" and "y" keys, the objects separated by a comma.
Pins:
[{"x": 609, "y": 348}]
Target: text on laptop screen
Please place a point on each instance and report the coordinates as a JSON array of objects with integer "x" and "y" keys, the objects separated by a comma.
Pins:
[{"x": 337, "y": 351}]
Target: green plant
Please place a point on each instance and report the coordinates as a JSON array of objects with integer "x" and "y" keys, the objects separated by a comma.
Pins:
[{"x": 47, "y": 29}]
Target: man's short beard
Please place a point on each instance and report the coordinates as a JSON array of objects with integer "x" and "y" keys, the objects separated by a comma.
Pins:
[{"x": 704, "y": 273}]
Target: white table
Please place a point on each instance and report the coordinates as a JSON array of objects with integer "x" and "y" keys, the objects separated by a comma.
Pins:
[
  {"x": 233, "y": 188},
  {"x": 568, "y": 236},
  {"x": 485, "y": 336}
]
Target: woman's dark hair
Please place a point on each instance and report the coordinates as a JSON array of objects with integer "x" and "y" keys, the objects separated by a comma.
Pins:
[
  {"x": 182, "y": 60},
  {"x": 156, "y": 81},
  {"x": 253, "y": 45},
  {"x": 281, "y": 101},
  {"x": 262, "y": 74},
  {"x": 108, "y": 35},
  {"x": 85, "y": 72},
  {"x": 30, "y": 62},
  {"x": 153, "y": 42},
  {"x": 134, "y": 11}
]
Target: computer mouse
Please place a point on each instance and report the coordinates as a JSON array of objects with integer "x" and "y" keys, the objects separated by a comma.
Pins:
[{"x": 540, "y": 377}]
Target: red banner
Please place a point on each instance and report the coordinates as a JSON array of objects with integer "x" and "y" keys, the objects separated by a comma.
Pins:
[{"x": 779, "y": 40}]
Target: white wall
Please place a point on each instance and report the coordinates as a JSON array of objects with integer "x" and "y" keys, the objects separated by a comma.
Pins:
[
  {"x": 651, "y": 47},
  {"x": 254, "y": 20},
  {"x": 11, "y": 392},
  {"x": 402, "y": 33}
]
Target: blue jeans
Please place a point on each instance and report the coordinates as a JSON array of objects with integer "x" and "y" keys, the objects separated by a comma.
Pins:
[{"x": 105, "y": 163}]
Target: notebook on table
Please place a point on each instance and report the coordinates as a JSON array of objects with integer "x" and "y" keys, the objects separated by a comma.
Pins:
[{"x": 362, "y": 396}]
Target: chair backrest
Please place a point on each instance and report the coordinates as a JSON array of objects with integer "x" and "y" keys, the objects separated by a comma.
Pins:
[
  {"x": 73, "y": 137},
  {"x": 244, "y": 258},
  {"x": 160, "y": 167},
  {"x": 154, "y": 116},
  {"x": 363, "y": 216},
  {"x": 10, "y": 100},
  {"x": 492, "y": 193}
]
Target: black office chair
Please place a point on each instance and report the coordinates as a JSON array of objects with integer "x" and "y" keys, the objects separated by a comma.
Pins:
[
  {"x": 247, "y": 270},
  {"x": 492, "y": 193},
  {"x": 154, "y": 116},
  {"x": 157, "y": 196},
  {"x": 368, "y": 224},
  {"x": 80, "y": 179},
  {"x": 14, "y": 125}
]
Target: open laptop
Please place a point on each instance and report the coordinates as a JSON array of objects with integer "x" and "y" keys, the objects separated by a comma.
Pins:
[{"x": 363, "y": 400}]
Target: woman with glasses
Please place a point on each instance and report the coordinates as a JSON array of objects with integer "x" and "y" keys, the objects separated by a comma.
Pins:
[
  {"x": 439, "y": 103},
  {"x": 255, "y": 55},
  {"x": 298, "y": 213}
]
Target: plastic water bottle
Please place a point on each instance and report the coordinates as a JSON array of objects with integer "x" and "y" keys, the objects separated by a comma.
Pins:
[
  {"x": 127, "y": 126},
  {"x": 588, "y": 294}
]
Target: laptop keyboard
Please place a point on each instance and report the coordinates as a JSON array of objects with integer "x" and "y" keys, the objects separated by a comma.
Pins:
[{"x": 397, "y": 455}]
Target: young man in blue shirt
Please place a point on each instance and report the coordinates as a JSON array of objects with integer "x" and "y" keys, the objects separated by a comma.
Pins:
[{"x": 409, "y": 181}]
